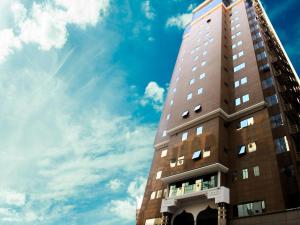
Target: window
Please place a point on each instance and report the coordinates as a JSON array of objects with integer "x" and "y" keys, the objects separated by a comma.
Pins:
[
  {"x": 184, "y": 136},
  {"x": 194, "y": 68},
  {"x": 256, "y": 36},
  {"x": 244, "y": 80},
  {"x": 237, "y": 101},
  {"x": 272, "y": 100},
  {"x": 233, "y": 46},
  {"x": 239, "y": 67},
  {"x": 254, "y": 28},
  {"x": 204, "y": 53},
  {"x": 203, "y": 63},
  {"x": 164, "y": 153},
  {"x": 174, "y": 90},
  {"x": 189, "y": 96},
  {"x": 171, "y": 102},
  {"x": 245, "y": 174},
  {"x": 246, "y": 98},
  {"x": 185, "y": 114},
  {"x": 202, "y": 75},
  {"x": 250, "y": 209},
  {"x": 196, "y": 58},
  {"x": 153, "y": 195},
  {"x": 159, "y": 194},
  {"x": 259, "y": 45},
  {"x": 168, "y": 116},
  {"x": 261, "y": 56},
  {"x": 164, "y": 133},
  {"x": 173, "y": 163},
  {"x": 197, "y": 155},
  {"x": 246, "y": 122},
  {"x": 267, "y": 83},
  {"x": 197, "y": 108},
  {"x": 199, "y": 130},
  {"x": 281, "y": 145},
  {"x": 177, "y": 79},
  {"x": 237, "y": 84},
  {"x": 256, "y": 171},
  {"x": 158, "y": 175},
  {"x": 252, "y": 147},
  {"x": 211, "y": 40},
  {"x": 200, "y": 91},
  {"x": 206, "y": 153},
  {"x": 208, "y": 21},
  {"x": 276, "y": 121},
  {"x": 242, "y": 150},
  {"x": 180, "y": 161},
  {"x": 240, "y": 54},
  {"x": 264, "y": 68},
  {"x": 192, "y": 81},
  {"x": 239, "y": 43}
]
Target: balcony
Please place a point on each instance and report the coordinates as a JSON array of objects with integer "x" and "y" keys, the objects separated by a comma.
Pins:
[
  {"x": 193, "y": 186},
  {"x": 219, "y": 194},
  {"x": 202, "y": 184}
]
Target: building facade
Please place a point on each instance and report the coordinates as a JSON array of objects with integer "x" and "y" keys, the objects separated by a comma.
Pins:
[{"x": 227, "y": 146}]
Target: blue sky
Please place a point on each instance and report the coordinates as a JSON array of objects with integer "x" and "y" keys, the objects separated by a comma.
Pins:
[{"x": 82, "y": 83}]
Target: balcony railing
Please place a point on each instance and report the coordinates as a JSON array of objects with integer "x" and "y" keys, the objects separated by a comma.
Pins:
[{"x": 186, "y": 188}]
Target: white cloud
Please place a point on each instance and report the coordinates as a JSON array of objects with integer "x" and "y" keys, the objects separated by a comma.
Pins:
[
  {"x": 126, "y": 208},
  {"x": 12, "y": 198},
  {"x": 123, "y": 208},
  {"x": 56, "y": 147},
  {"x": 191, "y": 7},
  {"x": 115, "y": 184},
  {"x": 147, "y": 9},
  {"x": 180, "y": 21},
  {"x": 8, "y": 43},
  {"x": 84, "y": 12},
  {"x": 45, "y": 24},
  {"x": 46, "y": 27},
  {"x": 154, "y": 95}
]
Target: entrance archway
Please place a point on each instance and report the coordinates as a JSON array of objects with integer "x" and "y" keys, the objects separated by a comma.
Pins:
[
  {"x": 184, "y": 219},
  {"x": 208, "y": 217}
]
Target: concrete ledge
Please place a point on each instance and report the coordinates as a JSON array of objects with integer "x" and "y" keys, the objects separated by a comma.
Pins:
[{"x": 216, "y": 167}]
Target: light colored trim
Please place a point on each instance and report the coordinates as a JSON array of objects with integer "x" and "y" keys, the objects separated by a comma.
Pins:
[
  {"x": 208, "y": 12},
  {"x": 201, "y": 5},
  {"x": 162, "y": 144},
  {"x": 252, "y": 108},
  {"x": 217, "y": 113},
  {"x": 186, "y": 35},
  {"x": 278, "y": 40},
  {"x": 216, "y": 167}
]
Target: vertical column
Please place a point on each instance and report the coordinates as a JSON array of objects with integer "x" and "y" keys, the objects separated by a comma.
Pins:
[
  {"x": 219, "y": 178},
  {"x": 221, "y": 214}
]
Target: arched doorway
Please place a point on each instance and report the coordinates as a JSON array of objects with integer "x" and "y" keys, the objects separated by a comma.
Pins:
[
  {"x": 184, "y": 219},
  {"x": 208, "y": 217}
]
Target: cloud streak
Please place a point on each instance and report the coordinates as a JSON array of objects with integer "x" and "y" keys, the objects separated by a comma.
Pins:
[{"x": 45, "y": 24}]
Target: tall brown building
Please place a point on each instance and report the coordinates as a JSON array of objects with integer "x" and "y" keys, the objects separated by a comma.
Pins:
[{"x": 227, "y": 147}]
